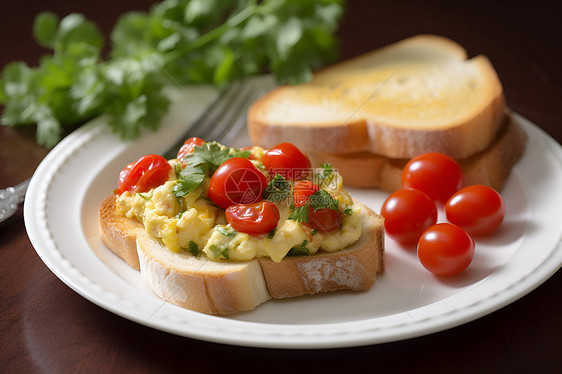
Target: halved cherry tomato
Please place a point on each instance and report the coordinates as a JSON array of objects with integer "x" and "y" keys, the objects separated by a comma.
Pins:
[
  {"x": 302, "y": 190},
  {"x": 236, "y": 181},
  {"x": 325, "y": 219},
  {"x": 146, "y": 173},
  {"x": 478, "y": 209},
  {"x": 407, "y": 213},
  {"x": 187, "y": 148},
  {"x": 436, "y": 174},
  {"x": 256, "y": 218},
  {"x": 445, "y": 249},
  {"x": 289, "y": 161}
]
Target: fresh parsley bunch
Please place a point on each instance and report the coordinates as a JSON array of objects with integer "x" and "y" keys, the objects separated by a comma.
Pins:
[{"x": 177, "y": 42}]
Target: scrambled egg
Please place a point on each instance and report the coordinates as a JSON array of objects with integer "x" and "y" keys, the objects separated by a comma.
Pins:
[{"x": 192, "y": 223}]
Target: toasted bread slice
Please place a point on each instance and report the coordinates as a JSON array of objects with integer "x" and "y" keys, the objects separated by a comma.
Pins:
[
  {"x": 213, "y": 287},
  {"x": 490, "y": 167},
  {"x": 415, "y": 96}
]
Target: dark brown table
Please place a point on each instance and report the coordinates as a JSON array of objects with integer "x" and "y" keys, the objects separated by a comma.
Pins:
[{"x": 46, "y": 327}]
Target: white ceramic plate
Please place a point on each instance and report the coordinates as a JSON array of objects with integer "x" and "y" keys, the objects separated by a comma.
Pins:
[{"x": 407, "y": 301}]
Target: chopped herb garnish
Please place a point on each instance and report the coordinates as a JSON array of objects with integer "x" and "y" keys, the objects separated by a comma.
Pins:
[
  {"x": 218, "y": 252},
  {"x": 144, "y": 197},
  {"x": 301, "y": 250},
  {"x": 278, "y": 189},
  {"x": 178, "y": 169},
  {"x": 328, "y": 170},
  {"x": 211, "y": 155},
  {"x": 348, "y": 211},
  {"x": 271, "y": 234},
  {"x": 202, "y": 162},
  {"x": 189, "y": 179},
  {"x": 226, "y": 231},
  {"x": 193, "y": 248},
  {"x": 321, "y": 199},
  {"x": 327, "y": 176},
  {"x": 300, "y": 214},
  {"x": 314, "y": 232}
]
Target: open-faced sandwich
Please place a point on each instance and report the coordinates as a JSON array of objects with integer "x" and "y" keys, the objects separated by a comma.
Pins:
[
  {"x": 369, "y": 115},
  {"x": 220, "y": 230}
]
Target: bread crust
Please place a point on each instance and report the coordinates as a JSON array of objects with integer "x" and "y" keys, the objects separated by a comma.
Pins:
[
  {"x": 212, "y": 287},
  {"x": 490, "y": 167}
]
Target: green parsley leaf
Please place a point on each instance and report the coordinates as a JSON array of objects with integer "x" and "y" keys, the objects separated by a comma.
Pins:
[
  {"x": 326, "y": 176},
  {"x": 193, "y": 248},
  {"x": 277, "y": 190},
  {"x": 300, "y": 214},
  {"x": 271, "y": 234},
  {"x": 301, "y": 250},
  {"x": 327, "y": 170},
  {"x": 348, "y": 211},
  {"x": 211, "y": 155},
  {"x": 189, "y": 179},
  {"x": 322, "y": 199},
  {"x": 218, "y": 252},
  {"x": 227, "y": 231},
  {"x": 45, "y": 29}
]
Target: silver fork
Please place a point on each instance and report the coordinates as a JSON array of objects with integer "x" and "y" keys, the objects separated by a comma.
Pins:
[{"x": 222, "y": 121}]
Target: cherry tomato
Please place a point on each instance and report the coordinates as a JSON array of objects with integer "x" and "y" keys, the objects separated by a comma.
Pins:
[
  {"x": 478, "y": 209},
  {"x": 407, "y": 213},
  {"x": 148, "y": 172},
  {"x": 445, "y": 249},
  {"x": 324, "y": 219},
  {"x": 436, "y": 174},
  {"x": 287, "y": 160},
  {"x": 236, "y": 181},
  {"x": 187, "y": 148},
  {"x": 302, "y": 190},
  {"x": 256, "y": 218}
]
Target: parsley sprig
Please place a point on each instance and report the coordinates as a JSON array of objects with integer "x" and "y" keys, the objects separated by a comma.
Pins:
[
  {"x": 177, "y": 42},
  {"x": 203, "y": 162}
]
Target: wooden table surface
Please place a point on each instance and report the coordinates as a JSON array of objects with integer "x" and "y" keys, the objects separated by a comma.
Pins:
[{"x": 46, "y": 327}]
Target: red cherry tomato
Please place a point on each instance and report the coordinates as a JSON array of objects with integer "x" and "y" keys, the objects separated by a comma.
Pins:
[
  {"x": 302, "y": 190},
  {"x": 287, "y": 160},
  {"x": 445, "y": 249},
  {"x": 256, "y": 218},
  {"x": 236, "y": 181},
  {"x": 187, "y": 148},
  {"x": 324, "y": 219},
  {"x": 148, "y": 172},
  {"x": 478, "y": 209},
  {"x": 407, "y": 213},
  {"x": 436, "y": 174}
]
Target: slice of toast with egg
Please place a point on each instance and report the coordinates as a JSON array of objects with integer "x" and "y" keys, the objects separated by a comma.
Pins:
[
  {"x": 225, "y": 287},
  {"x": 220, "y": 230}
]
